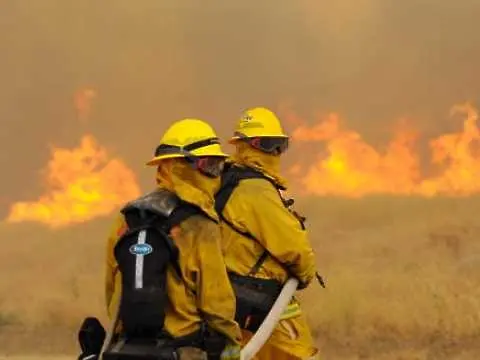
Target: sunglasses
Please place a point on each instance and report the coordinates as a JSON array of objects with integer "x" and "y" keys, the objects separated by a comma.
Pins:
[{"x": 270, "y": 145}]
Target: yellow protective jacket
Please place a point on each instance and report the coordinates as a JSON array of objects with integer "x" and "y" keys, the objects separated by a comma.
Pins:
[
  {"x": 203, "y": 268},
  {"x": 256, "y": 207}
]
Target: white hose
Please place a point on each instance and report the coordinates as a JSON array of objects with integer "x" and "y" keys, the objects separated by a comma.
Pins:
[
  {"x": 111, "y": 329},
  {"x": 265, "y": 330}
]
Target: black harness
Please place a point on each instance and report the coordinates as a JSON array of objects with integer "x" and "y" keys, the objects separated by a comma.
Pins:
[{"x": 255, "y": 297}]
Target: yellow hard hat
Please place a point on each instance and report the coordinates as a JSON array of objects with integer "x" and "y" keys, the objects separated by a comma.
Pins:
[
  {"x": 187, "y": 138},
  {"x": 258, "y": 122}
]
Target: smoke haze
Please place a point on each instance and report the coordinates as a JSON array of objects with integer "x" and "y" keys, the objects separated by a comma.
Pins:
[{"x": 154, "y": 62}]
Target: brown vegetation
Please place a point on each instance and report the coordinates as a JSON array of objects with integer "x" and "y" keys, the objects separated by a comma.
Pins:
[{"x": 402, "y": 280}]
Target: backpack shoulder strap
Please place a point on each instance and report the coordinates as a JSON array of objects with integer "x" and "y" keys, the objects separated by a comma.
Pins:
[
  {"x": 230, "y": 180},
  {"x": 231, "y": 177},
  {"x": 181, "y": 213}
]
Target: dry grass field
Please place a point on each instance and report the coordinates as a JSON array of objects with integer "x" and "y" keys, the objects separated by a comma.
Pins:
[{"x": 403, "y": 278}]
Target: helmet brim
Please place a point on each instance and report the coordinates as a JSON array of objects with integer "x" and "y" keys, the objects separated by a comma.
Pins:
[
  {"x": 235, "y": 138},
  {"x": 210, "y": 150}
]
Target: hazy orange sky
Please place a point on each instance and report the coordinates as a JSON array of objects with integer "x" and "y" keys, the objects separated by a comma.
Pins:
[{"x": 152, "y": 62}]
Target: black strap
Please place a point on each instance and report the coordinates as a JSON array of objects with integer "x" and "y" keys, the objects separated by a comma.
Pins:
[
  {"x": 320, "y": 280},
  {"x": 164, "y": 149},
  {"x": 202, "y": 143},
  {"x": 180, "y": 214},
  {"x": 256, "y": 267},
  {"x": 173, "y": 249},
  {"x": 230, "y": 180},
  {"x": 259, "y": 263}
]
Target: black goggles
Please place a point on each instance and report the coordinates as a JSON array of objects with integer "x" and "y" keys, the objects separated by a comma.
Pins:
[
  {"x": 211, "y": 166},
  {"x": 270, "y": 145}
]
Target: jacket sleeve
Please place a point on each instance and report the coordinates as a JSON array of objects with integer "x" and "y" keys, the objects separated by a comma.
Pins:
[
  {"x": 279, "y": 231},
  {"x": 216, "y": 299},
  {"x": 118, "y": 228}
]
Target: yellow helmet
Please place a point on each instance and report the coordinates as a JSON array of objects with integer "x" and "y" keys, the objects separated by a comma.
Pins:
[
  {"x": 261, "y": 128},
  {"x": 185, "y": 139},
  {"x": 258, "y": 122}
]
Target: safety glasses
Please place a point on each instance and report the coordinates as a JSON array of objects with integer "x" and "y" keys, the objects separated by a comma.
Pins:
[
  {"x": 270, "y": 145},
  {"x": 211, "y": 166}
]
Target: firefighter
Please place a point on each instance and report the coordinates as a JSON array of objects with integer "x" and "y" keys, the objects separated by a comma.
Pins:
[
  {"x": 265, "y": 241},
  {"x": 200, "y": 312}
]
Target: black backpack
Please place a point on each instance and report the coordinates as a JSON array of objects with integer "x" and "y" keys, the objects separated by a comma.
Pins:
[{"x": 144, "y": 253}]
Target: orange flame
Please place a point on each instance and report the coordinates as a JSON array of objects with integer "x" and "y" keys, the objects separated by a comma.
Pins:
[
  {"x": 351, "y": 167},
  {"x": 83, "y": 183}
]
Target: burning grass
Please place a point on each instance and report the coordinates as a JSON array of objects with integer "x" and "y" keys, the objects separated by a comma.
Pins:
[
  {"x": 402, "y": 280},
  {"x": 346, "y": 164}
]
